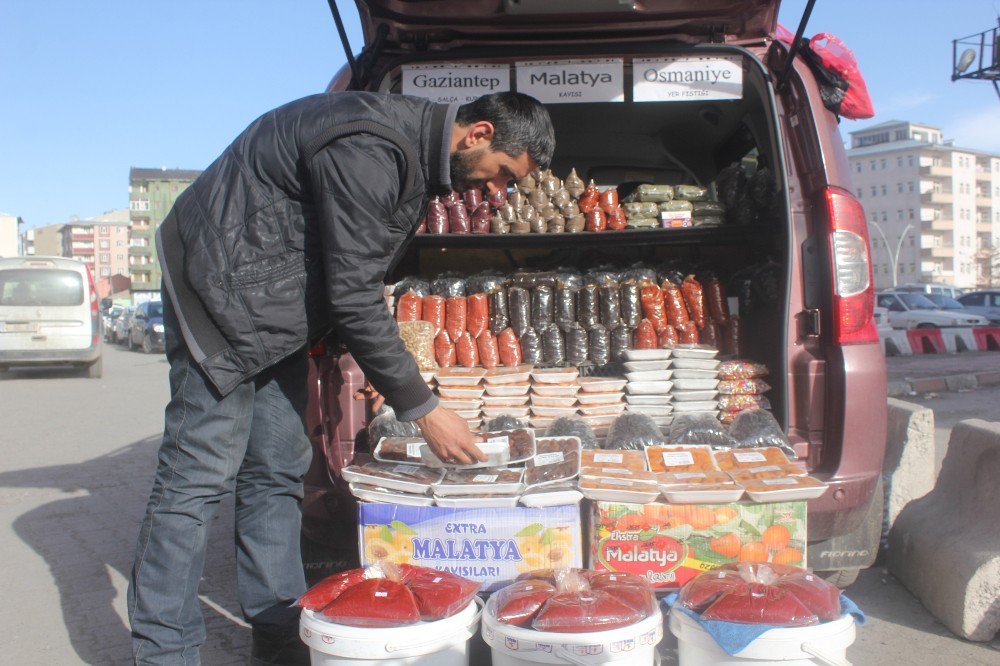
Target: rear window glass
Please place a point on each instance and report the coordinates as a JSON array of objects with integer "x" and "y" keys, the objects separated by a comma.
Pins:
[
  {"x": 156, "y": 309},
  {"x": 32, "y": 287}
]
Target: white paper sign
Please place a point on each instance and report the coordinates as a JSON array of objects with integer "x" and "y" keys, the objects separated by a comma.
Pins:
[
  {"x": 447, "y": 83},
  {"x": 686, "y": 79},
  {"x": 561, "y": 81}
]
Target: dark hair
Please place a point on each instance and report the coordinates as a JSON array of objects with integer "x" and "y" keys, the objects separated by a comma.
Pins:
[{"x": 519, "y": 123}]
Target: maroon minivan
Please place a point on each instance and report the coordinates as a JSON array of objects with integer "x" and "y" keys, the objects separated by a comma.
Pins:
[{"x": 623, "y": 121}]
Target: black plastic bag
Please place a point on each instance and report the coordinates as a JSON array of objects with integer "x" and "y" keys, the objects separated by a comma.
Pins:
[
  {"x": 588, "y": 310},
  {"x": 449, "y": 286},
  {"x": 542, "y": 307},
  {"x": 565, "y": 312},
  {"x": 633, "y": 431},
  {"x": 386, "y": 425},
  {"x": 621, "y": 341},
  {"x": 417, "y": 285},
  {"x": 503, "y": 422},
  {"x": 754, "y": 428},
  {"x": 599, "y": 345},
  {"x": 531, "y": 347},
  {"x": 484, "y": 283},
  {"x": 700, "y": 429},
  {"x": 553, "y": 345},
  {"x": 573, "y": 426},
  {"x": 631, "y": 303},
  {"x": 610, "y": 303},
  {"x": 499, "y": 312},
  {"x": 519, "y": 302},
  {"x": 577, "y": 345}
]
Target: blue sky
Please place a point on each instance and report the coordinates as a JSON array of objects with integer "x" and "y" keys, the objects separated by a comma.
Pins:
[{"x": 89, "y": 89}]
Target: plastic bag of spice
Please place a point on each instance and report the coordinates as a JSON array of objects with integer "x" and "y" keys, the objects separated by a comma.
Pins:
[
  {"x": 509, "y": 348},
  {"x": 700, "y": 429},
  {"x": 577, "y": 344},
  {"x": 387, "y": 425},
  {"x": 687, "y": 333},
  {"x": 732, "y": 337},
  {"x": 565, "y": 310},
  {"x": 417, "y": 285},
  {"x": 553, "y": 345},
  {"x": 456, "y": 316},
  {"x": 444, "y": 350},
  {"x": 590, "y": 198},
  {"x": 599, "y": 345},
  {"x": 478, "y": 314},
  {"x": 374, "y": 603},
  {"x": 608, "y": 200},
  {"x": 677, "y": 314},
  {"x": 668, "y": 338},
  {"x": 433, "y": 311},
  {"x": 472, "y": 198},
  {"x": 542, "y": 306},
  {"x": 497, "y": 199},
  {"x": 458, "y": 219},
  {"x": 481, "y": 219},
  {"x": 631, "y": 303},
  {"x": 595, "y": 220},
  {"x": 440, "y": 594},
  {"x": 573, "y": 426},
  {"x": 617, "y": 220},
  {"x": 654, "y": 306},
  {"x": 531, "y": 347},
  {"x": 518, "y": 603},
  {"x": 467, "y": 350},
  {"x": 449, "y": 286},
  {"x": 645, "y": 336},
  {"x": 610, "y": 303},
  {"x": 409, "y": 307},
  {"x": 694, "y": 299},
  {"x": 520, "y": 309},
  {"x": 594, "y": 610},
  {"x": 437, "y": 217},
  {"x": 418, "y": 336},
  {"x": 588, "y": 306},
  {"x": 499, "y": 318},
  {"x": 621, "y": 341},
  {"x": 323, "y": 593},
  {"x": 489, "y": 352},
  {"x": 715, "y": 297},
  {"x": 633, "y": 431}
]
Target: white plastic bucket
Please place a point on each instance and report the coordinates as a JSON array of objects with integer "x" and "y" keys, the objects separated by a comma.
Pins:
[
  {"x": 514, "y": 646},
  {"x": 441, "y": 643},
  {"x": 825, "y": 644}
]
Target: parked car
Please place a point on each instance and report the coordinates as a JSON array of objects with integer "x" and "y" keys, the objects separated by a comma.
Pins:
[
  {"x": 944, "y": 302},
  {"x": 49, "y": 314},
  {"x": 931, "y": 288},
  {"x": 145, "y": 329},
  {"x": 108, "y": 321},
  {"x": 985, "y": 303},
  {"x": 912, "y": 310},
  {"x": 122, "y": 324},
  {"x": 815, "y": 331}
]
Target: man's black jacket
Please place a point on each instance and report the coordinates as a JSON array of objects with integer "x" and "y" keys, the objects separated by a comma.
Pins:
[{"x": 293, "y": 229}]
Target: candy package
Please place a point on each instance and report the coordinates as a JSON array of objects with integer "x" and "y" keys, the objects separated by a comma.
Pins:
[
  {"x": 741, "y": 370},
  {"x": 741, "y": 402},
  {"x": 633, "y": 431}
]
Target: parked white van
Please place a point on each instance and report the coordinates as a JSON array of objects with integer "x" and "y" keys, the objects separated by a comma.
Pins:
[{"x": 49, "y": 314}]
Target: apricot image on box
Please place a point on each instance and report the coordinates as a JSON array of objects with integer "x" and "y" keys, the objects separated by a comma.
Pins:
[{"x": 670, "y": 544}]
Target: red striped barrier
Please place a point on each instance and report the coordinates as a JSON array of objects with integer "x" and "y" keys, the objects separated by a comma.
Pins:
[
  {"x": 926, "y": 341},
  {"x": 987, "y": 339}
]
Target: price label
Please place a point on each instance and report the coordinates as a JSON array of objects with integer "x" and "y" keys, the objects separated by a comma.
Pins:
[
  {"x": 749, "y": 456},
  {"x": 413, "y": 449},
  {"x": 608, "y": 457},
  {"x": 485, "y": 478},
  {"x": 780, "y": 482},
  {"x": 690, "y": 475},
  {"x": 765, "y": 468},
  {"x": 677, "y": 458},
  {"x": 553, "y": 458}
]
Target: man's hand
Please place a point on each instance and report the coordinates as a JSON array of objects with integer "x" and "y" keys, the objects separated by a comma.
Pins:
[
  {"x": 448, "y": 435},
  {"x": 369, "y": 392}
]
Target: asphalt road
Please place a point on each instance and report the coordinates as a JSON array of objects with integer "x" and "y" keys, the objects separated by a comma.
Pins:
[{"x": 78, "y": 457}]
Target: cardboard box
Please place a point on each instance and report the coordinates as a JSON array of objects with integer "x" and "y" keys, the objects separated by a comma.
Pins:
[
  {"x": 493, "y": 546},
  {"x": 672, "y": 543}
]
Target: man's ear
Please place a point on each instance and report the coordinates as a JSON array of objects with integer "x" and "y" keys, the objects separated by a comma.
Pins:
[{"x": 478, "y": 134}]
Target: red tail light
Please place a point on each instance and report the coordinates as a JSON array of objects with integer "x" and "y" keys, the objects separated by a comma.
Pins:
[
  {"x": 851, "y": 269},
  {"x": 95, "y": 312},
  {"x": 318, "y": 350}
]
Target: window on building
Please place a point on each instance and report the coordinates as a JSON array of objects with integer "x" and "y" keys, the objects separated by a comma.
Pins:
[
  {"x": 885, "y": 216},
  {"x": 105, "y": 271},
  {"x": 909, "y": 160},
  {"x": 105, "y": 258},
  {"x": 884, "y": 163},
  {"x": 884, "y": 190},
  {"x": 910, "y": 186},
  {"x": 105, "y": 243},
  {"x": 899, "y": 215},
  {"x": 873, "y": 165},
  {"x": 874, "y": 191},
  {"x": 120, "y": 257},
  {"x": 899, "y": 161},
  {"x": 119, "y": 243},
  {"x": 911, "y": 213},
  {"x": 899, "y": 187},
  {"x": 143, "y": 188},
  {"x": 857, "y": 167}
]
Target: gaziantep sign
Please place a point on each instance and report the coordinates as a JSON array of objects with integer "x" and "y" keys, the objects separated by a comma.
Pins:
[
  {"x": 687, "y": 79},
  {"x": 561, "y": 81},
  {"x": 447, "y": 83}
]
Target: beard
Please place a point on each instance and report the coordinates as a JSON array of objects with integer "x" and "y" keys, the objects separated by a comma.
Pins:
[{"x": 462, "y": 164}]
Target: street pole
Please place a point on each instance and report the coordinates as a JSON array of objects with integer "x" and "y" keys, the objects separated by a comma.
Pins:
[{"x": 893, "y": 257}]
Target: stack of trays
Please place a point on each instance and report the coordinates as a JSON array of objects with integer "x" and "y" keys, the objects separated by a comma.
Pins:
[
  {"x": 600, "y": 400},
  {"x": 461, "y": 390},
  {"x": 553, "y": 395},
  {"x": 649, "y": 372},
  {"x": 696, "y": 380},
  {"x": 506, "y": 392}
]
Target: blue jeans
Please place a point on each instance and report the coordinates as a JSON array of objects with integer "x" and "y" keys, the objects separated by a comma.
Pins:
[{"x": 252, "y": 440}]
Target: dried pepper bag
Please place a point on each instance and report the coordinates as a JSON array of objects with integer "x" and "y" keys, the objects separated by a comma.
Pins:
[
  {"x": 677, "y": 314},
  {"x": 456, "y": 316},
  {"x": 645, "y": 336},
  {"x": 518, "y": 603},
  {"x": 687, "y": 333},
  {"x": 434, "y": 312},
  {"x": 440, "y": 594},
  {"x": 467, "y": 350},
  {"x": 376, "y": 603},
  {"x": 478, "y": 314},
  {"x": 444, "y": 350},
  {"x": 761, "y": 604},
  {"x": 718, "y": 305},
  {"x": 654, "y": 306},
  {"x": 668, "y": 338},
  {"x": 323, "y": 593},
  {"x": 596, "y": 610},
  {"x": 489, "y": 352},
  {"x": 630, "y": 589},
  {"x": 694, "y": 299},
  {"x": 409, "y": 307},
  {"x": 509, "y": 348}
]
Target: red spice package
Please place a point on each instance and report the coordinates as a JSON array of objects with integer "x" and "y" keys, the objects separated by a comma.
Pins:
[
  {"x": 710, "y": 335},
  {"x": 458, "y": 219},
  {"x": 497, "y": 199},
  {"x": 472, "y": 198},
  {"x": 509, "y": 347},
  {"x": 324, "y": 592},
  {"x": 574, "y": 613},
  {"x": 444, "y": 351},
  {"x": 818, "y": 595},
  {"x": 467, "y": 351},
  {"x": 437, "y": 217},
  {"x": 456, "y": 316},
  {"x": 645, "y": 336},
  {"x": 433, "y": 311},
  {"x": 409, "y": 307},
  {"x": 702, "y": 591},
  {"x": 478, "y": 315},
  {"x": 422, "y": 227},
  {"x": 732, "y": 338},
  {"x": 687, "y": 333},
  {"x": 718, "y": 305},
  {"x": 677, "y": 314},
  {"x": 440, "y": 594},
  {"x": 489, "y": 353},
  {"x": 617, "y": 220},
  {"x": 630, "y": 589},
  {"x": 519, "y": 602},
  {"x": 758, "y": 603},
  {"x": 694, "y": 299},
  {"x": 595, "y": 220},
  {"x": 375, "y": 602},
  {"x": 668, "y": 337},
  {"x": 608, "y": 200},
  {"x": 482, "y": 217},
  {"x": 554, "y": 575},
  {"x": 653, "y": 306},
  {"x": 590, "y": 198}
]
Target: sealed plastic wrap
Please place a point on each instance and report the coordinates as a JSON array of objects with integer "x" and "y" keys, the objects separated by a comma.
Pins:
[
  {"x": 608, "y": 200},
  {"x": 737, "y": 403},
  {"x": 484, "y": 283},
  {"x": 677, "y": 313},
  {"x": 556, "y": 225},
  {"x": 668, "y": 338},
  {"x": 581, "y": 612},
  {"x": 700, "y": 429},
  {"x": 527, "y": 184},
  {"x": 542, "y": 307},
  {"x": 375, "y": 603},
  {"x": 449, "y": 286},
  {"x": 577, "y": 344},
  {"x": 556, "y": 459},
  {"x": 323, "y": 593},
  {"x": 520, "y": 227},
  {"x": 458, "y": 219},
  {"x": 690, "y": 192},
  {"x": 715, "y": 296},
  {"x": 480, "y": 219},
  {"x": 621, "y": 341},
  {"x": 633, "y": 431},
  {"x": 575, "y": 223},
  {"x": 756, "y": 428},
  {"x": 643, "y": 223},
  {"x": 539, "y": 226},
  {"x": 561, "y": 197},
  {"x": 694, "y": 300},
  {"x": 547, "y": 212},
  {"x": 418, "y": 336},
  {"x": 477, "y": 315},
  {"x": 489, "y": 353},
  {"x": 743, "y": 386},
  {"x": 498, "y": 225},
  {"x": 651, "y": 193},
  {"x": 499, "y": 318},
  {"x": 520, "y": 309},
  {"x": 498, "y": 198},
  {"x": 451, "y": 199},
  {"x": 386, "y": 425},
  {"x": 472, "y": 198},
  {"x": 641, "y": 209},
  {"x": 687, "y": 333},
  {"x": 817, "y": 594},
  {"x": 572, "y": 209},
  {"x": 599, "y": 345},
  {"x": 536, "y": 199},
  {"x": 440, "y": 594},
  {"x": 588, "y": 310},
  {"x": 732, "y": 337},
  {"x": 617, "y": 220},
  {"x": 574, "y": 184},
  {"x": 739, "y": 369},
  {"x": 550, "y": 184},
  {"x": 433, "y": 311},
  {"x": 565, "y": 308},
  {"x": 595, "y": 220},
  {"x": 504, "y": 422},
  {"x": 681, "y": 459},
  {"x": 631, "y": 303},
  {"x": 509, "y": 348},
  {"x": 702, "y": 591},
  {"x": 417, "y": 285},
  {"x": 707, "y": 209},
  {"x": 507, "y": 213},
  {"x": 654, "y": 306},
  {"x": 437, "y": 217},
  {"x": 409, "y": 307},
  {"x": 710, "y": 335},
  {"x": 444, "y": 350},
  {"x": 645, "y": 336},
  {"x": 590, "y": 198},
  {"x": 610, "y": 303},
  {"x": 553, "y": 345},
  {"x": 456, "y": 317},
  {"x": 518, "y": 603},
  {"x": 467, "y": 351},
  {"x": 573, "y": 426},
  {"x": 531, "y": 347},
  {"x": 761, "y": 604}
]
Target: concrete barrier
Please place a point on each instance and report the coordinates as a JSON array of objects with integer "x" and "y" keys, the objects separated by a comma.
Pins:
[
  {"x": 945, "y": 546},
  {"x": 958, "y": 340},
  {"x": 895, "y": 342},
  {"x": 926, "y": 340},
  {"x": 987, "y": 339},
  {"x": 909, "y": 456}
]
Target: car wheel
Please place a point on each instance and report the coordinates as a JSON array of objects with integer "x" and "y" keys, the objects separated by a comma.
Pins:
[
  {"x": 131, "y": 342},
  {"x": 147, "y": 344},
  {"x": 96, "y": 369}
]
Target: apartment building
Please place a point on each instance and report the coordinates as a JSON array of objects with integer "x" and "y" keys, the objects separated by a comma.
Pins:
[
  {"x": 43, "y": 241},
  {"x": 152, "y": 192},
  {"x": 101, "y": 242},
  {"x": 10, "y": 240},
  {"x": 933, "y": 207}
]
